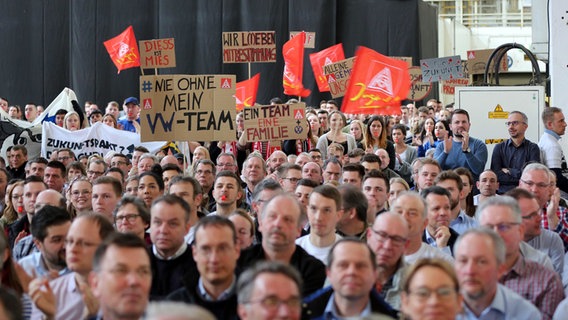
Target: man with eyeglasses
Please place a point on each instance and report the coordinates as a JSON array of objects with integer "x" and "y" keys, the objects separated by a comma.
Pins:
[
  {"x": 269, "y": 290},
  {"x": 548, "y": 243},
  {"x": 552, "y": 154},
  {"x": 121, "y": 277},
  {"x": 529, "y": 279},
  {"x": 352, "y": 272},
  {"x": 324, "y": 211},
  {"x": 388, "y": 239},
  {"x": 227, "y": 161},
  {"x": 96, "y": 169},
  {"x": 510, "y": 156},
  {"x": 69, "y": 296},
  {"x": 65, "y": 156},
  {"x": 288, "y": 176},
  {"x": 120, "y": 161},
  {"x": 215, "y": 251},
  {"x": 480, "y": 255}
]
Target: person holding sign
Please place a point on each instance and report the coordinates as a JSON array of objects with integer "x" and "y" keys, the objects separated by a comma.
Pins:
[{"x": 336, "y": 123}]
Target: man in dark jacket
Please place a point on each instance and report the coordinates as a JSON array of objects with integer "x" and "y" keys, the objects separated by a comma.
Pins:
[{"x": 352, "y": 271}]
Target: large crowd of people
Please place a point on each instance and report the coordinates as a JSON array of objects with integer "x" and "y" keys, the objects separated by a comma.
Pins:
[{"x": 395, "y": 216}]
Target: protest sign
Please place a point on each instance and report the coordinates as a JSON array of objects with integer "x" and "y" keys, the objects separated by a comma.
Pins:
[
  {"x": 99, "y": 139},
  {"x": 438, "y": 69},
  {"x": 338, "y": 75},
  {"x": 252, "y": 46},
  {"x": 477, "y": 60},
  {"x": 275, "y": 122},
  {"x": 408, "y": 60},
  {"x": 157, "y": 53},
  {"x": 322, "y": 58},
  {"x": 310, "y": 38},
  {"x": 418, "y": 88},
  {"x": 449, "y": 86},
  {"x": 187, "y": 107},
  {"x": 14, "y": 131}
]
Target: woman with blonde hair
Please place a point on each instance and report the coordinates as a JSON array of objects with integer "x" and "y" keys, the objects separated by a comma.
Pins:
[
  {"x": 72, "y": 121},
  {"x": 14, "y": 208}
]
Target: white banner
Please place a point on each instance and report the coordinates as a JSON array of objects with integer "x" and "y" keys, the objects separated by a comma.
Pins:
[{"x": 99, "y": 138}]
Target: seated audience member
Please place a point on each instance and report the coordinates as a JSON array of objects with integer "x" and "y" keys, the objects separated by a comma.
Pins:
[
  {"x": 484, "y": 296},
  {"x": 376, "y": 189},
  {"x": 169, "y": 171},
  {"x": 177, "y": 310},
  {"x": 215, "y": 251},
  {"x": 150, "y": 186},
  {"x": 75, "y": 169},
  {"x": 278, "y": 282},
  {"x": 85, "y": 234},
  {"x": 396, "y": 187},
  {"x": 288, "y": 176},
  {"x": 353, "y": 221},
  {"x": 427, "y": 277},
  {"x": 487, "y": 186},
  {"x": 279, "y": 223},
  {"x": 79, "y": 192},
  {"x": 324, "y": 211},
  {"x": 227, "y": 192},
  {"x": 121, "y": 277},
  {"x": 453, "y": 183},
  {"x": 132, "y": 216},
  {"x": 353, "y": 259},
  {"x": 244, "y": 225},
  {"x": 107, "y": 191},
  {"x": 353, "y": 174},
  {"x": 438, "y": 232},
  {"x": 190, "y": 191}
]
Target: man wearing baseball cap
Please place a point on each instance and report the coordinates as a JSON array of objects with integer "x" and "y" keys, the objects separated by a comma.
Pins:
[{"x": 131, "y": 121}]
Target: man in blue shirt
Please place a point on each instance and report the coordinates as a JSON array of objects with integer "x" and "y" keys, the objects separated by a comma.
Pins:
[
  {"x": 131, "y": 121},
  {"x": 480, "y": 257},
  {"x": 461, "y": 150}
]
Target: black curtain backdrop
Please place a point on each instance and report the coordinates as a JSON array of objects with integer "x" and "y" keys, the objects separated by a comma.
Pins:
[{"x": 51, "y": 44}]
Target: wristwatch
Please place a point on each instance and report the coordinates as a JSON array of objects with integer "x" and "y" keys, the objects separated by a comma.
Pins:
[{"x": 468, "y": 150}]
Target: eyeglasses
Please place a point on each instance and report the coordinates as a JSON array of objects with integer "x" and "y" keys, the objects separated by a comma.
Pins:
[
  {"x": 443, "y": 293},
  {"x": 225, "y": 164},
  {"x": 540, "y": 185},
  {"x": 61, "y": 159},
  {"x": 501, "y": 227},
  {"x": 383, "y": 237},
  {"x": 273, "y": 302},
  {"x": 293, "y": 180},
  {"x": 129, "y": 217},
  {"x": 92, "y": 173},
  {"x": 80, "y": 243},
  {"x": 514, "y": 123}
]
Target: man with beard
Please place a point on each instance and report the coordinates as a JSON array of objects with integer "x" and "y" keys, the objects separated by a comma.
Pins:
[
  {"x": 351, "y": 270},
  {"x": 49, "y": 229},
  {"x": 452, "y": 182},
  {"x": 509, "y": 157},
  {"x": 388, "y": 238},
  {"x": 461, "y": 150},
  {"x": 480, "y": 258}
]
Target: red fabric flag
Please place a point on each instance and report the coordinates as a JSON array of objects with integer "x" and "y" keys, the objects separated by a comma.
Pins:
[
  {"x": 246, "y": 92},
  {"x": 293, "y": 52},
  {"x": 378, "y": 84},
  {"x": 323, "y": 58},
  {"x": 123, "y": 50}
]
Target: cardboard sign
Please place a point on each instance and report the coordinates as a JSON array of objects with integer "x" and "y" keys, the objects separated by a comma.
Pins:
[
  {"x": 275, "y": 122},
  {"x": 408, "y": 60},
  {"x": 310, "y": 38},
  {"x": 477, "y": 60},
  {"x": 418, "y": 88},
  {"x": 338, "y": 75},
  {"x": 98, "y": 139},
  {"x": 251, "y": 47},
  {"x": 187, "y": 107},
  {"x": 157, "y": 53},
  {"x": 449, "y": 86},
  {"x": 445, "y": 68}
]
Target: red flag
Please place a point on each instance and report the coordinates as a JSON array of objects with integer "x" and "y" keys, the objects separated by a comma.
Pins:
[
  {"x": 246, "y": 92},
  {"x": 293, "y": 52},
  {"x": 377, "y": 85},
  {"x": 123, "y": 50},
  {"x": 323, "y": 58}
]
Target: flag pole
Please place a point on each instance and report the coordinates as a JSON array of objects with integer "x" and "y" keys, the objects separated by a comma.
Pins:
[
  {"x": 142, "y": 70},
  {"x": 249, "y": 69}
]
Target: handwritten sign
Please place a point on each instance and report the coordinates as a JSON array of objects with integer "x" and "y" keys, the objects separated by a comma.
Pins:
[
  {"x": 247, "y": 47},
  {"x": 408, "y": 60},
  {"x": 477, "y": 60},
  {"x": 275, "y": 122},
  {"x": 445, "y": 68},
  {"x": 187, "y": 107},
  {"x": 157, "y": 53},
  {"x": 418, "y": 88},
  {"x": 338, "y": 75},
  {"x": 310, "y": 38},
  {"x": 449, "y": 86}
]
